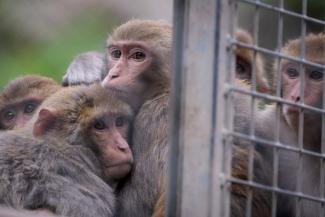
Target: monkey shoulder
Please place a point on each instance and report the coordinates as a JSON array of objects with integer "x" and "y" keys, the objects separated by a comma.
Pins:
[
  {"x": 158, "y": 107},
  {"x": 151, "y": 122}
]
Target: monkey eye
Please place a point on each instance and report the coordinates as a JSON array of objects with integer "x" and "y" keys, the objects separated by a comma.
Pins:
[
  {"x": 316, "y": 75},
  {"x": 292, "y": 72},
  {"x": 242, "y": 69},
  {"x": 116, "y": 53},
  {"x": 138, "y": 55},
  {"x": 99, "y": 125},
  {"x": 119, "y": 122},
  {"x": 29, "y": 108},
  {"x": 9, "y": 115}
]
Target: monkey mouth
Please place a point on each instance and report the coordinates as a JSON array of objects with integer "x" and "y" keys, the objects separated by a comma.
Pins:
[
  {"x": 120, "y": 163},
  {"x": 292, "y": 110}
]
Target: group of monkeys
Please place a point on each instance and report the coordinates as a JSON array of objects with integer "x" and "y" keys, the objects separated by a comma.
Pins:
[{"x": 98, "y": 144}]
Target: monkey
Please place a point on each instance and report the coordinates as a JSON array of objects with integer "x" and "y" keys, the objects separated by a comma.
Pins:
[
  {"x": 288, "y": 160},
  {"x": 138, "y": 57},
  {"x": 86, "y": 68},
  {"x": 292, "y": 73},
  {"x": 70, "y": 155},
  {"x": 245, "y": 60},
  {"x": 21, "y": 97},
  {"x": 149, "y": 98}
]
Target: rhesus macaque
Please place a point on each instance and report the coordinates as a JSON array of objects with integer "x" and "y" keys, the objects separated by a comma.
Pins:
[
  {"x": 86, "y": 68},
  {"x": 138, "y": 56},
  {"x": 245, "y": 58},
  {"x": 62, "y": 158},
  {"x": 292, "y": 74},
  {"x": 21, "y": 97}
]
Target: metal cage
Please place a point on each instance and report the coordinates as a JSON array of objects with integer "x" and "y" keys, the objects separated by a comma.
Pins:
[{"x": 202, "y": 115}]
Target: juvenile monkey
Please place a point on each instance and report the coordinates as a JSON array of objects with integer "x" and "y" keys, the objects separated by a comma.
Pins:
[
  {"x": 62, "y": 158},
  {"x": 86, "y": 68},
  {"x": 21, "y": 97}
]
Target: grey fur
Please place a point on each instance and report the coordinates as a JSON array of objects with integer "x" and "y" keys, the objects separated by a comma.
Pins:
[
  {"x": 86, "y": 68},
  {"x": 59, "y": 177},
  {"x": 139, "y": 194}
]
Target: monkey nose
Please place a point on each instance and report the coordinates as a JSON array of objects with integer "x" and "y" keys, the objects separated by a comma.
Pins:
[
  {"x": 295, "y": 98},
  {"x": 123, "y": 148}
]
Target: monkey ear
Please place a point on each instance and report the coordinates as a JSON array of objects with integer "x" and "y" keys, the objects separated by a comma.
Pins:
[{"x": 44, "y": 123}]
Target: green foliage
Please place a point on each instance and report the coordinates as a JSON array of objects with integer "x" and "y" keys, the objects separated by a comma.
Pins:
[{"x": 52, "y": 57}]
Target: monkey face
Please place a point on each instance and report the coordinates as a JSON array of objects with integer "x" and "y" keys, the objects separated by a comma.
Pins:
[
  {"x": 129, "y": 63},
  {"x": 109, "y": 133},
  {"x": 16, "y": 115},
  {"x": 310, "y": 80},
  {"x": 92, "y": 117},
  {"x": 21, "y": 97}
]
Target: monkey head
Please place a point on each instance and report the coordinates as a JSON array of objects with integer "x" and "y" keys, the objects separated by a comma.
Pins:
[
  {"x": 90, "y": 117},
  {"x": 138, "y": 57},
  {"x": 245, "y": 58},
  {"x": 21, "y": 97},
  {"x": 297, "y": 77}
]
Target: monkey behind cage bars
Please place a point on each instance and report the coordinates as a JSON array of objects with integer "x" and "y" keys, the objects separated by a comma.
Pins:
[{"x": 202, "y": 115}]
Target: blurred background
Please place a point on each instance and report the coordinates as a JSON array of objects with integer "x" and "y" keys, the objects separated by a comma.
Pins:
[{"x": 43, "y": 36}]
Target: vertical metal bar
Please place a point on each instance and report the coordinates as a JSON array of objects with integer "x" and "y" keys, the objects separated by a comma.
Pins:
[
  {"x": 301, "y": 113},
  {"x": 175, "y": 153},
  {"x": 194, "y": 138},
  {"x": 251, "y": 148},
  {"x": 224, "y": 68},
  {"x": 278, "y": 112},
  {"x": 322, "y": 161}
]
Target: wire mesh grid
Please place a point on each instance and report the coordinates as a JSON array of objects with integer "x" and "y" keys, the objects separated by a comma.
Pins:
[
  {"x": 235, "y": 148},
  {"x": 295, "y": 186}
]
